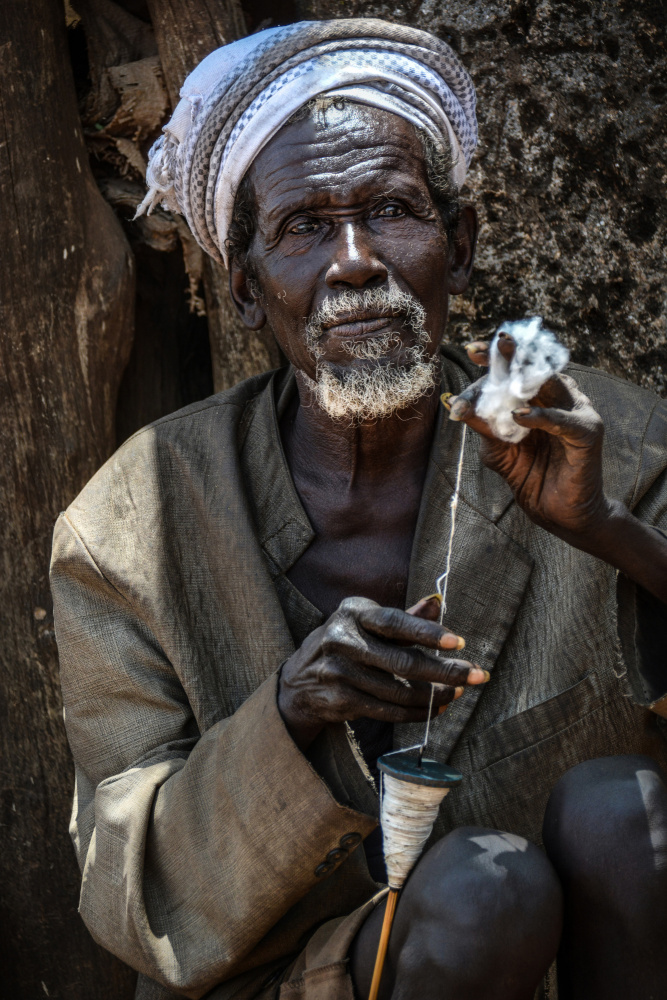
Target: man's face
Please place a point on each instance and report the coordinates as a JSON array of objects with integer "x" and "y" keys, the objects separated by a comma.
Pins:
[{"x": 350, "y": 256}]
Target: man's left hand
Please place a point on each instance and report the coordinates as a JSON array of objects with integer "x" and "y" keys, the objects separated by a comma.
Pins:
[{"x": 555, "y": 473}]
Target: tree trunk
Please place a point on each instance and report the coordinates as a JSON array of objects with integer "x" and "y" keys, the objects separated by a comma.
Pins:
[
  {"x": 569, "y": 177},
  {"x": 66, "y": 293},
  {"x": 186, "y": 31}
]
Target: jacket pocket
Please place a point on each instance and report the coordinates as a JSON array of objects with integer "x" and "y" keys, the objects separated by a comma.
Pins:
[
  {"x": 542, "y": 721},
  {"x": 516, "y": 763}
]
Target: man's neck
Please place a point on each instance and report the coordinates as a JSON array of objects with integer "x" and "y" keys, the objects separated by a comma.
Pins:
[
  {"x": 357, "y": 455},
  {"x": 361, "y": 487}
]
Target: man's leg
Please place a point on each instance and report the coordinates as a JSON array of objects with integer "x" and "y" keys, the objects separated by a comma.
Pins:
[
  {"x": 480, "y": 917},
  {"x": 605, "y": 831}
]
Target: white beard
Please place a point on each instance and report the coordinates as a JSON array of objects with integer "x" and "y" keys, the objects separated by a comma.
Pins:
[{"x": 371, "y": 393}]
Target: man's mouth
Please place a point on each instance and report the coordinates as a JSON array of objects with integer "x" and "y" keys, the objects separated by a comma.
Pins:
[
  {"x": 377, "y": 324},
  {"x": 357, "y": 326}
]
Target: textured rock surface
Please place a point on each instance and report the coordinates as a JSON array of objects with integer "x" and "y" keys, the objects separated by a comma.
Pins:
[{"x": 570, "y": 178}]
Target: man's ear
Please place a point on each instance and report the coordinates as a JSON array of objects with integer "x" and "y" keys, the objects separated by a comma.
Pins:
[
  {"x": 247, "y": 305},
  {"x": 462, "y": 250}
]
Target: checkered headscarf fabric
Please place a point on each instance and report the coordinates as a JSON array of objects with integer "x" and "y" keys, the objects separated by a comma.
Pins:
[{"x": 241, "y": 94}]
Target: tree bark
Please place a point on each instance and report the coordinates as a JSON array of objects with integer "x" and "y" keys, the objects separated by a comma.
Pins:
[
  {"x": 569, "y": 177},
  {"x": 66, "y": 295},
  {"x": 186, "y": 31}
]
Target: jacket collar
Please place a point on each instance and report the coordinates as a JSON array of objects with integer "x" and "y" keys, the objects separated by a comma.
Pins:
[{"x": 283, "y": 528}]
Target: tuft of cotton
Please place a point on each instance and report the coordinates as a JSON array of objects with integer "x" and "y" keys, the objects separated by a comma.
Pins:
[{"x": 508, "y": 386}]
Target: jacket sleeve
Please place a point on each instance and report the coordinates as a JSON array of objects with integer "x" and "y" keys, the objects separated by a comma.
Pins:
[
  {"x": 642, "y": 618},
  {"x": 192, "y": 846}
]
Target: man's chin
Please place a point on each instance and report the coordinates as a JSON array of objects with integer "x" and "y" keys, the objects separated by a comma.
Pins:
[
  {"x": 372, "y": 390},
  {"x": 391, "y": 347}
]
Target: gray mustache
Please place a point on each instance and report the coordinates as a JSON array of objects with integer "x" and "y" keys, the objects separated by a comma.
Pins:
[{"x": 352, "y": 305}]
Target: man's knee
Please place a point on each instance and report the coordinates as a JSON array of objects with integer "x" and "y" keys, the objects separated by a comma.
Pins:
[
  {"x": 475, "y": 867},
  {"x": 481, "y": 902},
  {"x": 605, "y": 812}
]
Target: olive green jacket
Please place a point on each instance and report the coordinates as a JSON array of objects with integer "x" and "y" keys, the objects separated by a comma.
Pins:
[{"x": 205, "y": 837}]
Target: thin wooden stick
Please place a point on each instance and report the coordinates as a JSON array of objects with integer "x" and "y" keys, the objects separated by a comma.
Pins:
[{"x": 384, "y": 941}]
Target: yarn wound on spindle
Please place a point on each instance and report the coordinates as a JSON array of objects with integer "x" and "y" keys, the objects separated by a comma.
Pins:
[
  {"x": 412, "y": 788},
  {"x": 537, "y": 357},
  {"x": 407, "y": 817}
]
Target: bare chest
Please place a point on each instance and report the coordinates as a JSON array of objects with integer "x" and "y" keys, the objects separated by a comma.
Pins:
[{"x": 362, "y": 548}]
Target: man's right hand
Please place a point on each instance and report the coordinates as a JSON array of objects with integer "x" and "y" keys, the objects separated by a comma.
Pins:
[{"x": 357, "y": 664}]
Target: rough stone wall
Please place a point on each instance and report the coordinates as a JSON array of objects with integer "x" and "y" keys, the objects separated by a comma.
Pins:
[{"x": 570, "y": 178}]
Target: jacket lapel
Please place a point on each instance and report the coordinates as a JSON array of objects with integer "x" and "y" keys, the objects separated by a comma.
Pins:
[
  {"x": 281, "y": 529},
  {"x": 488, "y": 576}
]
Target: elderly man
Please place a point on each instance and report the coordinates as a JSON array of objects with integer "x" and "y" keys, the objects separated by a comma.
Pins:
[{"x": 230, "y": 588}]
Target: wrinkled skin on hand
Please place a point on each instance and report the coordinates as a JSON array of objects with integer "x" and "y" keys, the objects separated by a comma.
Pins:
[
  {"x": 364, "y": 662},
  {"x": 555, "y": 473}
]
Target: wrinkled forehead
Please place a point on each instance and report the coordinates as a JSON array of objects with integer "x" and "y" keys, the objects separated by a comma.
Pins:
[{"x": 338, "y": 152}]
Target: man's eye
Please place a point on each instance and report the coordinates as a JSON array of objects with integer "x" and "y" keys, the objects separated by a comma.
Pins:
[
  {"x": 391, "y": 211},
  {"x": 303, "y": 228}
]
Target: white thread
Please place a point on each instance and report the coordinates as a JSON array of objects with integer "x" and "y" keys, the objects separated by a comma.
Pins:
[
  {"x": 407, "y": 810},
  {"x": 407, "y": 814},
  {"x": 442, "y": 581}
]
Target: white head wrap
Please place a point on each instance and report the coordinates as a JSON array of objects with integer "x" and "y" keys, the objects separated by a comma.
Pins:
[{"x": 243, "y": 93}]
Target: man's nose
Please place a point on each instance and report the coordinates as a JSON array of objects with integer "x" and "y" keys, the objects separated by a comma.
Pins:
[{"x": 354, "y": 263}]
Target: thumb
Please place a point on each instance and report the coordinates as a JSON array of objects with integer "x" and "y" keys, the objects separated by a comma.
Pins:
[{"x": 428, "y": 608}]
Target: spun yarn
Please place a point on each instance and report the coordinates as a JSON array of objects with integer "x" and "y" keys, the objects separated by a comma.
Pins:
[{"x": 407, "y": 814}]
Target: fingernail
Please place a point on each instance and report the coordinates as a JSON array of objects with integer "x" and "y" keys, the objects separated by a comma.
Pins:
[
  {"x": 476, "y": 345},
  {"x": 445, "y": 400},
  {"x": 432, "y": 597},
  {"x": 458, "y": 692},
  {"x": 450, "y": 641},
  {"x": 459, "y": 409},
  {"x": 521, "y": 411},
  {"x": 478, "y": 676}
]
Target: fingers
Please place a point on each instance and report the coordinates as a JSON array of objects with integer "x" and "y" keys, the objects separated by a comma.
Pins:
[
  {"x": 548, "y": 411},
  {"x": 478, "y": 352},
  {"x": 357, "y": 705},
  {"x": 506, "y": 345},
  {"x": 562, "y": 392},
  {"x": 392, "y": 623},
  {"x": 411, "y": 664},
  {"x": 577, "y": 427},
  {"x": 470, "y": 394},
  {"x": 384, "y": 687},
  {"x": 462, "y": 409}
]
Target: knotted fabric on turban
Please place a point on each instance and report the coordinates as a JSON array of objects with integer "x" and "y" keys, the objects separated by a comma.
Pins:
[{"x": 241, "y": 94}]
